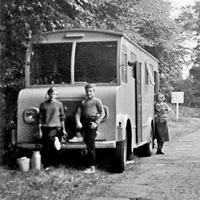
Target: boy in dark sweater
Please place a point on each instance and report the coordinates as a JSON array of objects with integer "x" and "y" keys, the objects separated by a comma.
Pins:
[
  {"x": 51, "y": 124},
  {"x": 88, "y": 117}
]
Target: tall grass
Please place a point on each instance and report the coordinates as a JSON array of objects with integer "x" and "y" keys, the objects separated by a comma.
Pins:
[
  {"x": 58, "y": 184},
  {"x": 188, "y": 121},
  {"x": 183, "y": 112}
]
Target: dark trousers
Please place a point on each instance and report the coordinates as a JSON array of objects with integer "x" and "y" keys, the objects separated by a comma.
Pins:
[
  {"x": 48, "y": 151},
  {"x": 89, "y": 138}
]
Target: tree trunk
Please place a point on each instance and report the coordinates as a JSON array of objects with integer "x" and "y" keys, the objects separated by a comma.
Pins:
[{"x": 2, "y": 100}]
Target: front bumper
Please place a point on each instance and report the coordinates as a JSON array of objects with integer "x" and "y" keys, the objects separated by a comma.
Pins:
[{"x": 70, "y": 145}]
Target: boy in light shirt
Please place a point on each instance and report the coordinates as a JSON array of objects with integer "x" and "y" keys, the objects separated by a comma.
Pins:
[{"x": 89, "y": 115}]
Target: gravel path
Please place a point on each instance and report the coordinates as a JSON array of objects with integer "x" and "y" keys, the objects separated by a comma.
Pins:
[{"x": 173, "y": 176}]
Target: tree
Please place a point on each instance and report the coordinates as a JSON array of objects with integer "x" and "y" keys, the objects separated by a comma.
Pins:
[
  {"x": 190, "y": 21},
  {"x": 148, "y": 23}
]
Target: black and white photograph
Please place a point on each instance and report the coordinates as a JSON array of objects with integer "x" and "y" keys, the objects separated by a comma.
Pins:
[{"x": 99, "y": 99}]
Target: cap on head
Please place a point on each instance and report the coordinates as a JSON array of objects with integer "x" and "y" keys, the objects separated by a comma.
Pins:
[{"x": 92, "y": 86}]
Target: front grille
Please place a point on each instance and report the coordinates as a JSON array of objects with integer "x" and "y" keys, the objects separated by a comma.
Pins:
[{"x": 71, "y": 107}]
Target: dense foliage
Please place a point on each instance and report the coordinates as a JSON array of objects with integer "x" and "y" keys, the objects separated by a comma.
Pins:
[
  {"x": 189, "y": 19},
  {"x": 147, "y": 22}
]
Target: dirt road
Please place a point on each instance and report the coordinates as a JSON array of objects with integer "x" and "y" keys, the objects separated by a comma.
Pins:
[{"x": 172, "y": 176}]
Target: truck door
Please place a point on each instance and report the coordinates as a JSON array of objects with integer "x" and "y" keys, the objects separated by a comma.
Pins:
[{"x": 138, "y": 95}]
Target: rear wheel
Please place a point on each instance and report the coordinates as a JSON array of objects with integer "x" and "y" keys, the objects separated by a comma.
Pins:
[{"x": 149, "y": 145}]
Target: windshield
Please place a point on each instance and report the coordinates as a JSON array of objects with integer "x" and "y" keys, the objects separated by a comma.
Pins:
[{"x": 95, "y": 62}]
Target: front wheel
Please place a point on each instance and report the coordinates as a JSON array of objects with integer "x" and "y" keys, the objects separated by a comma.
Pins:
[{"x": 119, "y": 159}]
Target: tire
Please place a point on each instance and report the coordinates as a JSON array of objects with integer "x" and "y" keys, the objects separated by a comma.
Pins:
[
  {"x": 149, "y": 146},
  {"x": 118, "y": 162}
]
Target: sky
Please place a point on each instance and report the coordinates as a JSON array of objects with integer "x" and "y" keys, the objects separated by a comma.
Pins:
[
  {"x": 180, "y": 3},
  {"x": 177, "y": 4}
]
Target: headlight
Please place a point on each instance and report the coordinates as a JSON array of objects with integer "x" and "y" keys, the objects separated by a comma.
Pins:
[{"x": 31, "y": 115}]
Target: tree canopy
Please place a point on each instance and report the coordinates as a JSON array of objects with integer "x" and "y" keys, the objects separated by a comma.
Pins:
[
  {"x": 189, "y": 20},
  {"x": 147, "y": 22}
]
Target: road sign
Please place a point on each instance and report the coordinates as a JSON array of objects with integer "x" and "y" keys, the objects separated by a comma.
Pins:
[{"x": 177, "y": 97}]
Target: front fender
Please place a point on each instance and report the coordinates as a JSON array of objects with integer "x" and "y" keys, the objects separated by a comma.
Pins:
[{"x": 121, "y": 126}]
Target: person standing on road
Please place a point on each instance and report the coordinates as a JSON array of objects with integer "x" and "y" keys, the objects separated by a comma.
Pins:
[
  {"x": 88, "y": 117},
  {"x": 161, "y": 109},
  {"x": 51, "y": 126}
]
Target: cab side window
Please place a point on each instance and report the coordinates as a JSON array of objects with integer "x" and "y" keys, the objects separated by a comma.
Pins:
[{"x": 124, "y": 64}]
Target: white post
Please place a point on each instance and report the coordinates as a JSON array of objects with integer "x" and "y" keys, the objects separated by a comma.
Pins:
[{"x": 177, "y": 110}]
